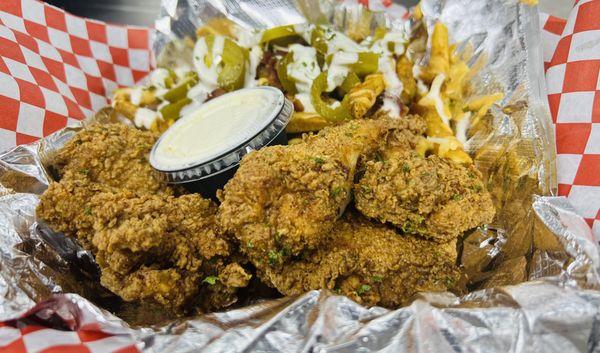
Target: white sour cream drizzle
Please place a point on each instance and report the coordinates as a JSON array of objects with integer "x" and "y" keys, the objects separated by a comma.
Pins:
[
  {"x": 339, "y": 68},
  {"x": 208, "y": 75},
  {"x": 462, "y": 127},
  {"x": 136, "y": 95},
  {"x": 306, "y": 101},
  {"x": 145, "y": 118},
  {"x": 158, "y": 77},
  {"x": 434, "y": 96},
  {"x": 392, "y": 43},
  {"x": 304, "y": 68},
  {"x": 255, "y": 56},
  {"x": 337, "y": 42},
  {"x": 393, "y": 86}
]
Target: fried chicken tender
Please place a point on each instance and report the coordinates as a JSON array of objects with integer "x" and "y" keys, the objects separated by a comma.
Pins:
[
  {"x": 113, "y": 155},
  {"x": 285, "y": 199},
  {"x": 158, "y": 247},
  {"x": 65, "y": 207},
  {"x": 100, "y": 158},
  {"x": 149, "y": 244},
  {"x": 429, "y": 196},
  {"x": 372, "y": 264}
]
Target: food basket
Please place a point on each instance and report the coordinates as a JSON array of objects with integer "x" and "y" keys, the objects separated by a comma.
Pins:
[{"x": 535, "y": 266}]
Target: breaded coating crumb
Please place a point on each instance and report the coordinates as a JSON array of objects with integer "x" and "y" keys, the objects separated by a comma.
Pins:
[
  {"x": 410, "y": 131},
  {"x": 65, "y": 207},
  {"x": 113, "y": 155},
  {"x": 285, "y": 199},
  {"x": 429, "y": 196},
  {"x": 149, "y": 244},
  {"x": 370, "y": 263},
  {"x": 155, "y": 237},
  {"x": 100, "y": 158}
]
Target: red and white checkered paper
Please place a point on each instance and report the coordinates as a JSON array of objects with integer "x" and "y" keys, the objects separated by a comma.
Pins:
[
  {"x": 56, "y": 68},
  {"x": 572, "y": 62},
  {"x": 81, "y": 330}
]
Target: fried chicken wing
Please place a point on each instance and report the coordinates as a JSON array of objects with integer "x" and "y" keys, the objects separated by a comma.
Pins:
[
  {"x": 285, "y": 199},
  {"x": 372, "y": 264},
  {"x": 429, "y": 196}
]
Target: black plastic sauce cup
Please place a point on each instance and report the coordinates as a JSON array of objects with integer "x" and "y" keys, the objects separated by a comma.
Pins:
[{"x": 207, "y": 175}]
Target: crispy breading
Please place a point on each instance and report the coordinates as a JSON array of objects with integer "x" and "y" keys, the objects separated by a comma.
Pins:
[
  {"x": 149, "y": 244},
  {"x": 100, "y": 158},
  {"x": 409, "y": 132},
  {"x": 370, "y": 263},
  {"x": 114, "y": 155},
  {"x": 173, "y": 239},
  {"x": 429, "y": 196},
  {"x": 65, "y": 207},
  {"x": 285, "y": 199}
]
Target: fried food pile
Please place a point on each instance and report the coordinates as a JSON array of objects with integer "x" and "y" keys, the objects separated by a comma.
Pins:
[
  {"x": 150, "y": 244},
  {"x": 283, "y": 199},
  {"x": 290, "y": 208},
  {"x": 355, "y": 209},
  {"x": 371, "y": 263}
]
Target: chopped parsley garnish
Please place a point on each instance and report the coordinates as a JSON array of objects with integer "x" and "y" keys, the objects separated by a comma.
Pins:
[
  {"x": 87, "y": 210},
  {"x": 273, "y": 257},
  {"x": 336, "y": 191},
  {"x": 457, "y": 197},
  {"x": 210, "y": 280},
  {"x": 319, "y": 160},
  {"x": 364, "y": 289},
  {"x": 249, "y": 245},
  {"x": 379, "y": 157},
  {"x": 84, "y": 171},
  {"x": 377, "y": 278},
  {"x": 405, "y": 168},
  {"x": 477, "y": 188}
]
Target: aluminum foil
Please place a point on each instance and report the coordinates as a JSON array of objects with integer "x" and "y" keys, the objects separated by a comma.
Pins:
[{"x": 535, "y": 270}]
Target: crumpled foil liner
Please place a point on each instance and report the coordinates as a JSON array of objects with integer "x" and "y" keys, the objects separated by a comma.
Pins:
[{"x": 534, "y": 271}]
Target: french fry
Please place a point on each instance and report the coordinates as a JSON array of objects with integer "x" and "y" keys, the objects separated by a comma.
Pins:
[
  {"x": 455, "y": 85},
  {"x": 435, "y": 100},
  {"x": 439, "y": 63},
  {"x": 147, "y": 97},
  {"x": 404, "y": 69},
  {"x": 126, "y": 108},
  {"x": 481, "y": 105},
  {"x": 306, "y": 122},
  {"x": 362, "y": 96}
]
